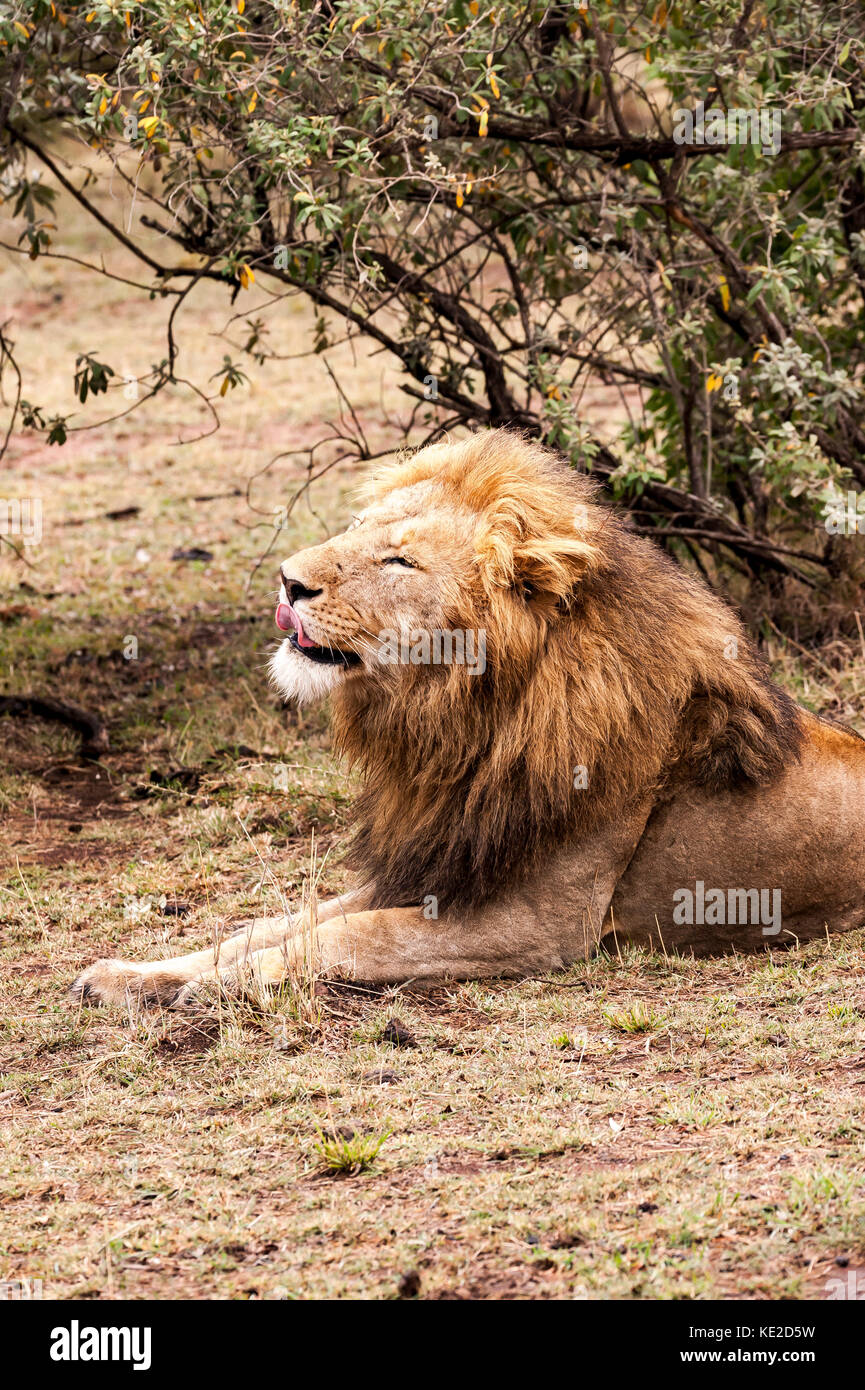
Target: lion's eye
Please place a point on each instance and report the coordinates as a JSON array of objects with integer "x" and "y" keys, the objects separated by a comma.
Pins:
[{"x": 399, "y": 560}]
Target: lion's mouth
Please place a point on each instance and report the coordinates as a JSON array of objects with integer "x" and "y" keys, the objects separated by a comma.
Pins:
[
  {"x": 326, "y": 656},
  {"x": 288, "y": 620}
]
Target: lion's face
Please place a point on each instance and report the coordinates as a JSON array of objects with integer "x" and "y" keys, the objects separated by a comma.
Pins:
[{"x": 405, "y": 565}]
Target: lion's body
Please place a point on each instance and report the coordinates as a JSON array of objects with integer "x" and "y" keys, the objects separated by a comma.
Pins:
[
  {"x": 620, "y": 748},
  {"x": 803, "y": 836}
]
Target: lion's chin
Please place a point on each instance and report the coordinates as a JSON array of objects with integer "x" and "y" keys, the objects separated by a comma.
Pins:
[{"x": 298, "y": 678}]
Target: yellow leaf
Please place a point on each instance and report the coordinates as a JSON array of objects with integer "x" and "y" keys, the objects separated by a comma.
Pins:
[
  {"x": 224, "y": 387},
  {"x": 241, "y": 6},
  {"x": 713, "y": 383},
  {"x": 460, "y": 198},
  {"x": 103, "y": 106},
  {"x": 494, "y": 86},
  {"x": 246, "y": 276},
  {"x": 725, "y": 293},
  {"x": 238, "y": 53},
  {"x": 474, "y": 6},
  {"x": 88, "y": 19},
  {"x": 128, "y": 19},
  {"x": 359, "y": 22},
  {"x": 253, "y": 101},
  {"x": 482, "y": 123},
  {"x": 469, "y": 187},
  {"x": 144, "y": 105},
  {"x": 149, "y": 125}
]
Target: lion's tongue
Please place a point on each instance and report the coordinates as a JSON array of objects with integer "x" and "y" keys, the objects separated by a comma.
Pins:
[{"x": 287, "y": 620}]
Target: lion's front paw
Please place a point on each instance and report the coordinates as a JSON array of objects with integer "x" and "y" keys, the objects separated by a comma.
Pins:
[
  {"x": 106, "y": 982},
  {"x": 119, "y": 982}
]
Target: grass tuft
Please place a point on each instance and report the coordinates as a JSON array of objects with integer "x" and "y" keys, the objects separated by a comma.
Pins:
[
  {"x": 637, "y": 1018},
  {"x": 348, "y": 1156}
]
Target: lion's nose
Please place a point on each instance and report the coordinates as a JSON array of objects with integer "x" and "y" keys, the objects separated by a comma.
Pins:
[{"x": 295, "y": 590}]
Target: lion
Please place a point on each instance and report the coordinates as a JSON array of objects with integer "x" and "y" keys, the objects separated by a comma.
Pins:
[{"x": 613, "y": 764}]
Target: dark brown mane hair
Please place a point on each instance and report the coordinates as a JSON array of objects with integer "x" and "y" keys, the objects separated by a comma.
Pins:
[{"x": 602, "y": 654}]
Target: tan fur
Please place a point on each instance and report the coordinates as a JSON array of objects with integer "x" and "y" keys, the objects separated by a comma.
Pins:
[{"x": 479, "y": 848}]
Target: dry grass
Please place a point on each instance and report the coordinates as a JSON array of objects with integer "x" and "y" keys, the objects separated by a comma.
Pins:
[{"x": 641, "y": 1127}]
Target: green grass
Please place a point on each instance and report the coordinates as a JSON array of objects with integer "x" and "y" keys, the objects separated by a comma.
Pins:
[
  {"x": 350, "y": 1155},
  {"x": 637, "y": 1018}
]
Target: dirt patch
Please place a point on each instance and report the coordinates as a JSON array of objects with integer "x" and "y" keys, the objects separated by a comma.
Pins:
[{"x": 184, "y": 1039}]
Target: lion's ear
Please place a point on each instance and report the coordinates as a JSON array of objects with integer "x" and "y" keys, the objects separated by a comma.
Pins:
[
  {"x": 547, "y": 565},
  {"x": 554, "y": 564}
]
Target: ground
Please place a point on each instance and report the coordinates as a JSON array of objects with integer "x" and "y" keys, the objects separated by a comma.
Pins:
[{"x": 641, "y": 1127}]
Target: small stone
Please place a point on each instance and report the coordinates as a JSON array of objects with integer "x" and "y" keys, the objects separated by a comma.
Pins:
[
  {"x": 397, "y": 1034},
  {"x": 409, "y": 1285}
]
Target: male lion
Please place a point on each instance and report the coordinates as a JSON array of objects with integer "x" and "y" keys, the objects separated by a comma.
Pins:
[{"x": 617, "y": 756}]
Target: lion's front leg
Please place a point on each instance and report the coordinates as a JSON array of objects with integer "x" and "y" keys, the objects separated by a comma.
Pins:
[{"x": 398, "y": 945}]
